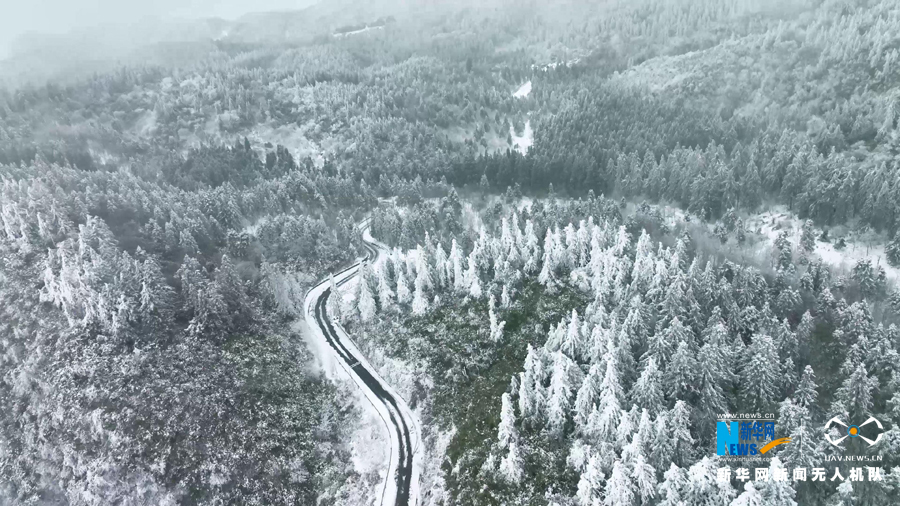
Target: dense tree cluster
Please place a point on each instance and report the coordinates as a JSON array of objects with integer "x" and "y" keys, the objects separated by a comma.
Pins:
[
  {"x": 136, "y": 311},
  {"x": 622, "y": 395}
]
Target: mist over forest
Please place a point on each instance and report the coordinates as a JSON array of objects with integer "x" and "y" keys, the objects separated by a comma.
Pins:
[{"x": 437, "y": 253}]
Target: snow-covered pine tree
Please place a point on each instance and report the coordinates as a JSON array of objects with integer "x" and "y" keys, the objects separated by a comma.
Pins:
[
  {"x": 559, "y": 402},
  {"x": 590, "y": 485},
  {"x": 365, "y": 302},
  {"x": 385, "y": 295},
  {"x": 759, "y": 374},
  {"x": 619, "y": 489},
  {"x": 572, "y": 344},
  {"x": 403, "y": 293},
  {"x": 680, "y": 376},
  {"x": 420, "y": 300},
  {"x": 496, "y": 328},
  {"x": 672, "y": 486},
  {"x": 506, "y": 431},
  {"x": 512, "y": 466},
  {"x": 647, "y": 391},
  {"x": 459, "y": 279}
]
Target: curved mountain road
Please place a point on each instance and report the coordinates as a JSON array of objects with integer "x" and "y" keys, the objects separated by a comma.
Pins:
[{"x": 400, "y": 486}]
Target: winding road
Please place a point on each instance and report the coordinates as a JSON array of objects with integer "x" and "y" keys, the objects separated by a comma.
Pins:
[{"x": 400, "y": 486}]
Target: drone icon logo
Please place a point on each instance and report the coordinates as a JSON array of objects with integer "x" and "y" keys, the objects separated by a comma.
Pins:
[{"x": 852, "y": 431}]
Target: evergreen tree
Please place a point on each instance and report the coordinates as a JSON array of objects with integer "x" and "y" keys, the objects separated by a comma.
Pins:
[
  {"x": 365, "y": 302},
  {"x": 681, "y": 373},
  {"x": 586, "y": 397},
  {"x": 505, "y": 300},
  {"x": 496, "y": 328},
  {"x": 420, "y": 301},
  {"x": 512, "y": 466},
  {"x": 856, "y": 395},
  {"x": 590, "y": 485},
  {"x": 805, "y": 395},
  {"x": 559, "y": 401},
  {"x": 679, "y": 422},
  {"x": 403, "y": 293},
  {"x": 385, "y": 295},
  {"x": 776, "y": 492},
  {"x": 672, "y": 486},
  {"x": 759, "y": 373},
  {"x": 619, "y": 489},
  {"x": 808, "y": 237},
  {"x": 647, "y": 391},
  {"x": 572, "y": 345},
  {"x": 506, "y": 432}
]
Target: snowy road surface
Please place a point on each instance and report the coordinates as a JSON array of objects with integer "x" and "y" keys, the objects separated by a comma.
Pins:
[{"x": 401, "y": 480}]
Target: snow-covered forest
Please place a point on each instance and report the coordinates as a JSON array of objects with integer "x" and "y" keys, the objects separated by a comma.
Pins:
[{"x": 559, "y": 248}]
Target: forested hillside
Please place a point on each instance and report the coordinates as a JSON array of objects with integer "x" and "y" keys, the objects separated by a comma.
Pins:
[{"x": 584, "y": 267}]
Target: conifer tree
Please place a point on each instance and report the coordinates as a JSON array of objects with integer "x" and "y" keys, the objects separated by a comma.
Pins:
[
  {"x": 759, "y": 373},
  {"x": 572, "y": 344},
  {"x": 385, "y": 295},
  {"x": 496, "y": 328},
  {"x": 505, "y": 300},
  {"x": 680, "y": 375},
  {"x": 644, "y": 477},
  {"x": 775, "y": 492},
  {"x": 586, "y": 397},
  {"x": 365, "y": 302},
  {"x": 403, "y": 293},
  {"x": 619, "y": 488},
  {"x": 559, "y": 401},
  {"x": 420, "y": 301},
  {"x": 679, "y": 422},
  {"x": 672, "y": 486},
  {"x": 805, "y": 395},
  {"x": 710, "y": 378},
  {"x": 506, "y": 432},
  {"x": 663, "y": 446},
  {"x": 459, "y": 279},
  {"x": 590, "y": 485},
  {"x": 607, "y": 413},
  {"x": 702, "y": 486},
  {"x": 647, "y": 391},
  {"x": 855, "y": 397},
  {"x": 512, "y": 465}
]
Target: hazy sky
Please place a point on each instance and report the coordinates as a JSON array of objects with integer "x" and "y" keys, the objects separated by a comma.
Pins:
[{"x": 60, "y": 16}]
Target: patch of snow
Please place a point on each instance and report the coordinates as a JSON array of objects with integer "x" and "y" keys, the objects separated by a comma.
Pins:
[
  {"x": 525, "y": 141},
  {"x": 555, "y": 64},
  {"x": 253, "y": 228},
  {"x": 361, "y": 30},
  {"x": 860, "y": 244},
  {"x": 523, "y": 90}
]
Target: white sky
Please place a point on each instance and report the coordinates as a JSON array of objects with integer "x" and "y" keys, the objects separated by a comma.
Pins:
[{"x": 60, "y": 16}]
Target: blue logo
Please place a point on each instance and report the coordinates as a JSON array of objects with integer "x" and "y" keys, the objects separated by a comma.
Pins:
[{"x": 743, "y": 438}]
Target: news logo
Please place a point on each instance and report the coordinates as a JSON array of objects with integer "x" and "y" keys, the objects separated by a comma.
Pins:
[{"x": 746, "y": 438}]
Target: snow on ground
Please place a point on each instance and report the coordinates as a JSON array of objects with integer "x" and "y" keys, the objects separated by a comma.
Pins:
[
  {"x": 523, "y": 90},
  {"x": 369, "y": 443},
  {"x": 525, "y": 141},
  {"x": 861, "y": 244},
  {"x": 553, "y": 65},
  {"x": 361, "y": 30},
  {"x": 766, "y": 226},
  {"x": 292, "y": 137},
  {"x": 253, "y": 228}
]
